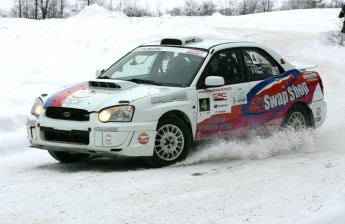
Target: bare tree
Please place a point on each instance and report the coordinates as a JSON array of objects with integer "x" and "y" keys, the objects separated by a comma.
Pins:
[
  {"x": 176, "y": 11},
  {"x": 302, "y": 4},
  {"x": 266, "y": 5},
  {"x": 44, "y": 4},
  {"x": 313, "y": 3},
  {"x": 159, "y": 7},
  {"x": 335, "y": 4},
  {"x": 36, "y": 9},
  {"x": 191, "y": 8},
  {"x": 207, "y": 8},
  {"x": 291, "y": 4},
  {"x": 227, "y": 7},
  {"x": 244, "y": 7},
  {"x": 20, "y": 8},
  {"x": 253, "y": 6}
]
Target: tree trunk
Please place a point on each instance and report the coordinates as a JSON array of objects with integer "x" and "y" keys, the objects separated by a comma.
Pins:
[
  {"x": 36, "y": 9},
  {"x": 20, "y": 8},
  {"x": 61, "y": 8}
]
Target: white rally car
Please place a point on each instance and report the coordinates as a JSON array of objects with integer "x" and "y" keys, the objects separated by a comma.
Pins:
[{"x": 163, "y": 96}]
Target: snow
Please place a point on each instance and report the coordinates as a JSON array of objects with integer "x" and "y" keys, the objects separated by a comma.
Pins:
[{"x": 285, "y": 178}]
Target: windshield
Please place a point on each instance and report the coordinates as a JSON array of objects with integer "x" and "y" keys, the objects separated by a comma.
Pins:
[{"x": 167, "y": 66}]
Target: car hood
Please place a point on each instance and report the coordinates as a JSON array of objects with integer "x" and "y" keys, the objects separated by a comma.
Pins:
[{"x": 97, "y": 94}]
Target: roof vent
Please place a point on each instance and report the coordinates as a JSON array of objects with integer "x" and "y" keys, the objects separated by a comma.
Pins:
[{"x": 180, "y": 42}]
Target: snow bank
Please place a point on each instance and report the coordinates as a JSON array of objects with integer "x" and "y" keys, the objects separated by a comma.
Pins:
[
  {"x": 91, "y": 11},
  {"x": 95, "y": 10},
  {"x": 333, "y": 212}
]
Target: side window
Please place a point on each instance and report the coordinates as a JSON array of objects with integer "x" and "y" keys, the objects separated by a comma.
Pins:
[
  {"x": 227, "y": 64},
  {"x": 259, "y": 65}
]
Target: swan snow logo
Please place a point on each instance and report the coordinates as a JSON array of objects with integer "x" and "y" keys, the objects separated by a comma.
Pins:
[{"x": 292, "y": 93}]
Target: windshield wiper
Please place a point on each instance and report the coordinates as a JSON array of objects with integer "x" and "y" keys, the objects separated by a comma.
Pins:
[{"x": 144, "y": 81}]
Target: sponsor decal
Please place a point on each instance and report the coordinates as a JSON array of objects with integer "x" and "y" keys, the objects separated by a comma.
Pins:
[
  {"x": 196, "y": 52},
  {"x": 318, "y": 111},
  {"x": 281, "y": 99},
  {"x": 309, "y": 77},
  {"x": 221, "y": 112},
  {"x": 242, "y": 101},
  {"x": 84, "y": 94},
  {"x": 215, "y": 90},
  {"x": 212, "y": 127},
  {"x": 225, "y": 126},
  {"x": 208, "y": 127},
  {"x": 107, "y": 139},
  {"x": 269, "y": 98},
  {"x": 169, "y": 98},
  {"x": 216, "y": 120},
  {"x": 143, "y": 138},
  {"x": 220, "y": 105},
  {"x": 149, "y": 49},
  {"x": 204, "y": 104},
  {"x": 241, "y": 97},
  {"x": 317, "y": 119},
  {"x": 219, "y": 96},
  {"x": 71, "y": 102},
  {"x": 59, "y": 98},
  {"x": 106, "y": 129},
  {"x": 275, "y": 71}
]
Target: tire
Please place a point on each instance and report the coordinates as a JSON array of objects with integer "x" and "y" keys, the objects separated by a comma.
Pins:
[
  {"x": 296, "y": 118},
  {"x": 67, "y": 157},
  {"x": 172, "y": 142}
]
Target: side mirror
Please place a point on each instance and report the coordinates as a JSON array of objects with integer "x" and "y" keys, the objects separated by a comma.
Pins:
[
  {"x": 214, "y": 81},
  {"x": 99, "y": 72}
]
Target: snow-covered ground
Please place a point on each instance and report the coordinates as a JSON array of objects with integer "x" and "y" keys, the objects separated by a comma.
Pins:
[{"x": 286, "y": 178}]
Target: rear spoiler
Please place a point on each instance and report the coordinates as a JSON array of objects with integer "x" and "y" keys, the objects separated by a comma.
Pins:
[{"x": 303, "y": 67}]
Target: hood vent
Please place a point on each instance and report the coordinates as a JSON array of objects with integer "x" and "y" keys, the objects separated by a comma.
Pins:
[{"x": 109, "y": 85}]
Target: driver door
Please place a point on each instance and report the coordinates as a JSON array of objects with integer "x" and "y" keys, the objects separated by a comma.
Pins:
[{"x": 220, "y": 107}]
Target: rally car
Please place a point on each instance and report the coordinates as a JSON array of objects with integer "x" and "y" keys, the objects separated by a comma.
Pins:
[{"x": 163, "y": 96}]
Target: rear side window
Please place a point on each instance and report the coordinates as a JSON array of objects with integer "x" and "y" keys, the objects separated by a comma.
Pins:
[{"x": 260, "y": 65}]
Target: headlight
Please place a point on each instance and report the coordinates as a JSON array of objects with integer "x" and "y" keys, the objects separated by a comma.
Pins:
[
  {"x": 37, "y": 108},
  {"x": 119, "y": 113}
]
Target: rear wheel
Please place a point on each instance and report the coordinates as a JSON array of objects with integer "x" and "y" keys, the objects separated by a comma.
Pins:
[
  {"x": 67, "y": 157},
  {"x": 296, "y": 118},
  {"x": 172, "y": 142}
]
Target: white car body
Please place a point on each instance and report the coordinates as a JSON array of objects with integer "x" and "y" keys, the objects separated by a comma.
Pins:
[{"x": 210, "y": 112}]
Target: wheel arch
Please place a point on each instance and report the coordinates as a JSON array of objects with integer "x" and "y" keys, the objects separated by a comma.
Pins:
[
  {"x": 309, "y": 112},
  {"x": 182, "y": 116}
]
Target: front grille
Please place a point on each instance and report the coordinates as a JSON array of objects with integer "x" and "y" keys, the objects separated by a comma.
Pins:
[
  {"x": 104, "y": 85},
  {"x": 73, "y": 136},
  {"x": 63, "y": 113}
]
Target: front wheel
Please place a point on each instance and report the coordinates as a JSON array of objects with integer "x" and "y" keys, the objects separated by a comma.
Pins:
[
  {"x": 172, "y": 142},
  {"x": 67, "y": 157},
  {"x": 296, "y": 118}
]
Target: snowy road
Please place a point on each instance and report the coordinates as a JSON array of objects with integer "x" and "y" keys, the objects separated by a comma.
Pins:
[{"x": 36, "y": 189}]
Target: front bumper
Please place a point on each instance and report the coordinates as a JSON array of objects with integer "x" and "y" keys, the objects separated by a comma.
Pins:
[{"x": 92, "y": 137}]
